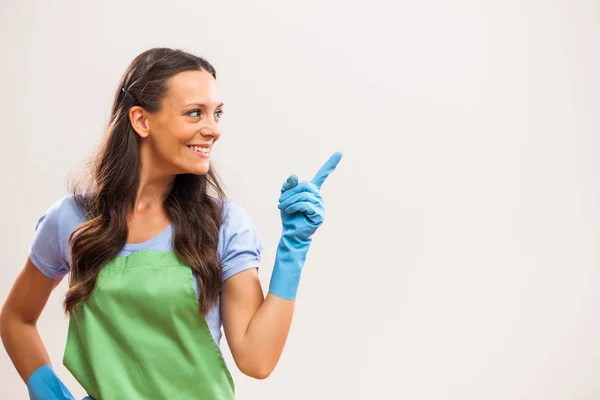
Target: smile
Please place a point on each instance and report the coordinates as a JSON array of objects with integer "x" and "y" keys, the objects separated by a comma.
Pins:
[{"x": 201, "y": 151}]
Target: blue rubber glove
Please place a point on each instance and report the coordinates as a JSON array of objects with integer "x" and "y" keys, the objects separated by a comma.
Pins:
[
  {"x": 44, "y": 384},
  {"x": 302, "y": 211}
]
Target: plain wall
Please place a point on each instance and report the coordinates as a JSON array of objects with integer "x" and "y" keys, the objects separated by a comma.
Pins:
[{"x": 459, "y": 254}]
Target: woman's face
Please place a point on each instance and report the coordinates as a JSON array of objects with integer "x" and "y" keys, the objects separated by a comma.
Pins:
[{"x": 180, "y": 136}]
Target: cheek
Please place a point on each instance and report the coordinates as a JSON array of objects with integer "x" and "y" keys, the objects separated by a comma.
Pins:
[
  {"x": 183, "y": 132},
  {"x": 171, "y": 139}
]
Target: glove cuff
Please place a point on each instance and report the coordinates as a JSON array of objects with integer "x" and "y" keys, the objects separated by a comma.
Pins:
[
  {"x": 287, "y": 270},
  {"x": 44, "y": 384}
]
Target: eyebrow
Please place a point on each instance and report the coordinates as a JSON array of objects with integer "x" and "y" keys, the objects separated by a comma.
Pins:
[{"x": 200, "y": 105}]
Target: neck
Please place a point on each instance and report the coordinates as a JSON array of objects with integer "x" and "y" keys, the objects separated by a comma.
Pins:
[{"x": 154, "y": 185}]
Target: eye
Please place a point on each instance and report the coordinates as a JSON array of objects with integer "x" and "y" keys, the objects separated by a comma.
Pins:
[
  {"x": 218, "y": 114},
  {"x": 195, "y": 113}
]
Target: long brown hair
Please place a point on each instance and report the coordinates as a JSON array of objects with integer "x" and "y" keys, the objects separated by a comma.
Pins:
[{"x": 194, "y": 211}]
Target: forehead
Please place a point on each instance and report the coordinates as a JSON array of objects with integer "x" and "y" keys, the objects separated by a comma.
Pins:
[{"x": 192, "y": 87}]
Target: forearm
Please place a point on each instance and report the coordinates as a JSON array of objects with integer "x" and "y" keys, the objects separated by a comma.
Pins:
[
  {"x": 266, "y": 335},
  {"x": 21, "y": 338},
  {"x": 23, "y": 345},
  {"x": 265, "y": 323}
]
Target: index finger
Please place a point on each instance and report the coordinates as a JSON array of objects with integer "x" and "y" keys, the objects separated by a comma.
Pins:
[{"x": 327, "y": 169}]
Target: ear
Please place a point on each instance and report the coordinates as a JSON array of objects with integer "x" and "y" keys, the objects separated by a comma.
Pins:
[{"x": 139, "y": 121}]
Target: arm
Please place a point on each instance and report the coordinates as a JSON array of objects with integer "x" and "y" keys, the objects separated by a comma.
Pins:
[
  {"x": 43, "y": 271},
  {"x": 257, "y": 328},
  {"x": 20, "y": 336},
  {"x": 18, "y": 319}
]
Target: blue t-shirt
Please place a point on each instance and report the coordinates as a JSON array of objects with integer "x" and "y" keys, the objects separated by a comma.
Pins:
[{"x": 239, "y": 246}]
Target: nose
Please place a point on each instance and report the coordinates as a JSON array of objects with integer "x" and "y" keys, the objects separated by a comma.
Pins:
[{"x": 211, "y": 129}]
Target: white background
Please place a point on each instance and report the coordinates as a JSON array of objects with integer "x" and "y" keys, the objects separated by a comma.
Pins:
[{"x": 459, "y": 255}]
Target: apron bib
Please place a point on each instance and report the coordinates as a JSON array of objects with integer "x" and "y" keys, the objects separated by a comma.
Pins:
[{"x": 140, "y": 335}]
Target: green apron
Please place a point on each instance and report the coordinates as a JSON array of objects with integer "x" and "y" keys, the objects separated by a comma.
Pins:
[{"x": 140, "y": 335}]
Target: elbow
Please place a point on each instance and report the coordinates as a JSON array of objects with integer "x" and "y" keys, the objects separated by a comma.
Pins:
[
  {"x": 3, "y": 323},
  {"x": 5, "y": 326},
  {"x": 9, "y": 322},
  {"x": 259, "y": 374},
  {"x": 256, "y": 369}
]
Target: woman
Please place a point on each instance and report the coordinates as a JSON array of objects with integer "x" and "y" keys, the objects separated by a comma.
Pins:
[{"x": 157, "y": 257}]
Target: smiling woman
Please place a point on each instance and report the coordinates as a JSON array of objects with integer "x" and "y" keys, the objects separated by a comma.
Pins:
[
  {"x": 187, "y": 124},
  {"x": 157, "y": 258}
]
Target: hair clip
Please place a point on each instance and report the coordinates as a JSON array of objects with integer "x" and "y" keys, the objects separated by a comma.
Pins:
[{"x": 127, "y": 94}]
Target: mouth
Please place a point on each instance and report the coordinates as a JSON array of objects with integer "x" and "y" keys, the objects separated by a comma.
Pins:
[{"x": 200, "y": 150}]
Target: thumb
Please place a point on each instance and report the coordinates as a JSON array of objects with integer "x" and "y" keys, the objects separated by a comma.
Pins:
[{"x": 290, "y": 183}]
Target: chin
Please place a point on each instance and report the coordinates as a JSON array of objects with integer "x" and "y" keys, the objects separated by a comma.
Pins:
[
  {"x": 194, "y": 168},
  {"x": 200, "y": 170}
]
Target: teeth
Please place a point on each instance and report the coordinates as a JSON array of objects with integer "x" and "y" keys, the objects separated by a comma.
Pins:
[{"x": 198, "y": 148}]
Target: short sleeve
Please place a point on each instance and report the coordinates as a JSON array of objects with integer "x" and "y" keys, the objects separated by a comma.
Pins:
[
  {"x": 240, "y": 245},
  {"x": 47, "y": 250}
]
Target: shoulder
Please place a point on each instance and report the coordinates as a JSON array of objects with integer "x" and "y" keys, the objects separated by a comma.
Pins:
[
  {"x": 237, "y": 227},
  {"x": 48, "y": 249},
  {"x": 68, "y": 206},
  {"x": 59, "y": 221},
  {"x": 234, "y": 213},
  {"x": 63, "y": 213}
]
